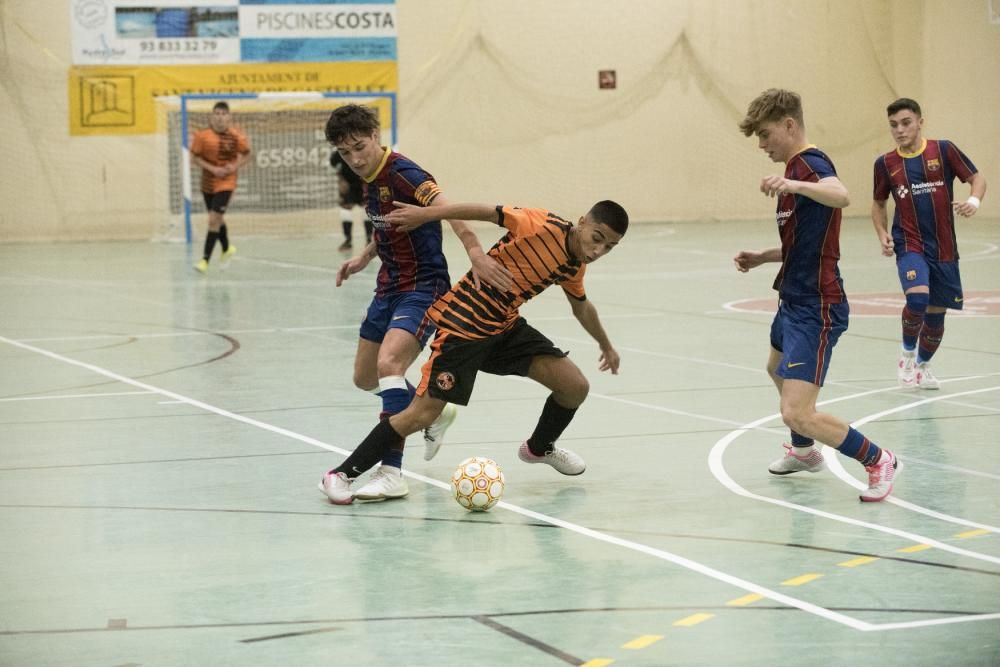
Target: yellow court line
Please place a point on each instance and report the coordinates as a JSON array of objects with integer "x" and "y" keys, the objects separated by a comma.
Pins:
[
  {"x": 642, "y": 641},
  {"x": 745, "y": 600},
  {"x": 801, "y": 579},
  {"x": 598, "y": 662},
  {"x": 854, "y": 562},
  {"x": 693, "y": 619},
  {"x": 914, "y": 548},
  {"x": 972, "y": 533}
]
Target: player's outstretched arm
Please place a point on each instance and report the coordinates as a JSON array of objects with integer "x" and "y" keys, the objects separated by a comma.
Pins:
[
  {"x": 968, "y": 208},
  {"x": 827, "y": 191},
  {"x": 750, "y": 259},
  {"x": 880, "y": 219},
  {"x": 408, "y": 217},
  {"x": 586, "y": 314}
]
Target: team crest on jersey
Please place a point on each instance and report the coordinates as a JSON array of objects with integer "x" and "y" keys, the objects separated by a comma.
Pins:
[
  {"x": 902, "y": 191},
  {"x": 445, "y": 381},
  {"x": 384, "y": 194},
  {"x": 933, "y": 164},
  {"x": 911, "y": 275}
]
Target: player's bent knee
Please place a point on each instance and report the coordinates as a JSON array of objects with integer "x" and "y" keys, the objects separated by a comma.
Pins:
[
  {"x": 796, "y": 420},
  {"x": 573, "y": 391}
]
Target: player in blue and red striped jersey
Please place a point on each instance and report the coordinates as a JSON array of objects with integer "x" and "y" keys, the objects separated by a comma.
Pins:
[
  {"x": 919, "y": 175},
  {"x": 414, "y": 273},
  {"x": 812, "y": 306}
]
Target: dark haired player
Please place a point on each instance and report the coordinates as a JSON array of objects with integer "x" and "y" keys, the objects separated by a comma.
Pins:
[{"x": 479, "y": 328}]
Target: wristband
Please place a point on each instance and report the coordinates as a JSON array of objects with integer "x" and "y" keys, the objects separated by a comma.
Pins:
[{"x": 974, "y": 201}]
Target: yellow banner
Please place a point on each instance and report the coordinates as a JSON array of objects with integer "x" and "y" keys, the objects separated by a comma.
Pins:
[{"x": 119, "y": 100}]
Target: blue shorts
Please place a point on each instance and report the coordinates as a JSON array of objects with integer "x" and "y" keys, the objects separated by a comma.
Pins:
[
  {"x": 942, "y": 278},
  {"x": 400, "y": 311},
  {"x": 806, "y": 336}
]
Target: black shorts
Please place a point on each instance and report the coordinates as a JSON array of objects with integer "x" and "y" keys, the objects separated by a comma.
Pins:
[
  {"x": 217, "y": 201},
  {"x": 451, "y": 371}
]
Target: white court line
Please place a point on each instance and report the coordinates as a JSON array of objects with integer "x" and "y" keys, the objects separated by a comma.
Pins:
[
  {"x": 233, "y": 332},
  {"x": 849, "y": 397},
  {"x": 686, "y": 563},
  {"x": 837, "y": 467},
  {"x": 64, "y": 396},
  {"x": 733, "y": 307},
  {"x": 288, "y": 265},
  {"x": 944, "y": 466},
  {"x": 634, "y": 546},
  {"x": 180, "y": 334},
  {"x": 719, "y": 470}
]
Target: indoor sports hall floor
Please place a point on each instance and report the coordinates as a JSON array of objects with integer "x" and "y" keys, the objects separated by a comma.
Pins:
[{"x": 162, "y": 434}]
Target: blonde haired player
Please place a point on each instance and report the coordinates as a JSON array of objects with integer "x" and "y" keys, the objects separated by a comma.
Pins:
[{"x": 812, "y": 310}]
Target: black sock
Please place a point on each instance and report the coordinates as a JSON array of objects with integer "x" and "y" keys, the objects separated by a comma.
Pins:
[
  {"x": 554, "y": 420},
  {"x": 347, "y": 225},
  {"x": 371, "y": 450},
  {"x": 210, "y": 245},
  {"x": 369, "y": 230},
  {"x": 224, "y": 237}
]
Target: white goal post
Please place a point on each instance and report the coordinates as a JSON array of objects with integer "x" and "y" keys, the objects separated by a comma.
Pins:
[{"x": 288, "y": 187}]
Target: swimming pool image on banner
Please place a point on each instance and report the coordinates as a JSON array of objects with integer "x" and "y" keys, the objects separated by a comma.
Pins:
[{"x": 203, "y": 32}]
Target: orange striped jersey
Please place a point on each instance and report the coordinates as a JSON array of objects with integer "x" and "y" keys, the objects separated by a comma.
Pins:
[
  {"x": 219, "y": 149},
  {"x": 535, "y": 251}
]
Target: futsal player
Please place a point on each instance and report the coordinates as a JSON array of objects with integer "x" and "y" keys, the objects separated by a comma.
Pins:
[
  {"x": 413, "y": 274},
  {"x": 812, "y": 306},
  {"x": 479, "y": 328},
  {"x": 920, "y": 174},
  {"x": 221, "y": 150}
]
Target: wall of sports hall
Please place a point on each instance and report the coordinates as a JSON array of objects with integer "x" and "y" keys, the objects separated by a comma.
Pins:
[{"x": 499, "y": 100}]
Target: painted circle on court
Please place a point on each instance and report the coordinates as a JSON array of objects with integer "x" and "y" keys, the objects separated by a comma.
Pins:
[{"x": 883, "y": 304}]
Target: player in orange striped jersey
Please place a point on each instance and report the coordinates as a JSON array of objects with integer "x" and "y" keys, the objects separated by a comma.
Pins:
[{"x": 479, "y": 328}]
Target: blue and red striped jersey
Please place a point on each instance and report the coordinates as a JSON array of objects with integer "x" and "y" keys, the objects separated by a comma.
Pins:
[
  {"x": 810, "y": 236},
  {"x": 411, "y": 261},
  {"x": 921, "y": 185}
]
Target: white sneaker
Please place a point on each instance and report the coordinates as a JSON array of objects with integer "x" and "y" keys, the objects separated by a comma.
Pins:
[
  {"x": 881, "y": 476},
  {"x": 906, "y": 369},
  {"x": 561, "y": 459},
  {"x": 792, "y": 462},
  {"x": 925, "y": 379},
  {"x": 434, "y": 434},
  {"x": 337, "y": 487},
  {"x": 387, "y": 482}
]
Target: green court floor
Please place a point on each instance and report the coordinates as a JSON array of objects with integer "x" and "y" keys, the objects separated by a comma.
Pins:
[{"x": 162, "y": 433}]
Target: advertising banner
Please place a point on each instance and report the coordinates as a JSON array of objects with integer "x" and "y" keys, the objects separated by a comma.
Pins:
[
  {"x": 205, "y": 32},
  {"x": 126, "y": 52}
]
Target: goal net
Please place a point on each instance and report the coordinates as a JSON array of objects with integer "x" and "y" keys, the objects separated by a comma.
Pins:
[{"x": 287, "y": 189}]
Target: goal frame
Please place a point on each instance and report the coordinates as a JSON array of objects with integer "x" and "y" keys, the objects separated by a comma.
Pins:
[{"x": 186, "y": 98}]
